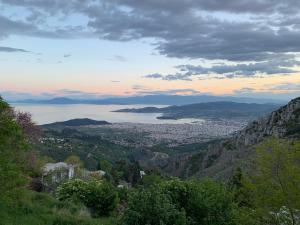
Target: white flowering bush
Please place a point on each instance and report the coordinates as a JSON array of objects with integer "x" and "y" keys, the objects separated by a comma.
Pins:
[
  {"x": 99, "y": 196},
  {"x": 283, "y": 216}
]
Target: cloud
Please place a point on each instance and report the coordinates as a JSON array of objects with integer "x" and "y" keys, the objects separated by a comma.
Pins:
[
  {"x": 139, "y": 87},
  {"x": 118, "y": 58},
  {"x": 9, "y": 49},
  {"x": 245, "y": 90},
  {"x": 170, "y": 92},
  {"x": 154, "y": 75},
  {"x": 67, "y": 55},
  {"x": 144, "y": 90},
  {"x": 10, "y": 26},
  {"x": 289, "y": 87},
  {"x": 74, "y": 93},
  {"x": 280, "y": 64},
  {"x": 235, "y": 30}
]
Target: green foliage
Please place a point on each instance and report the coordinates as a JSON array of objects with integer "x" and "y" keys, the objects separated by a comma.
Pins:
[
  {"x": 74, "y": 160},
  {"x": 123, "y": 194},
  {"x": 177, "y": 190},
  {"x": 88, "y": 145},
  {"x": 12, "y": 153},
  {"x": 130, "y": 172},
  {"x": 209, "y": 202},
  {"x": 152, "y": 207},
  {"x": 239, "y": 185},
  {"x": 101, "y": 197},
  {"x": 42, "y": 209},
  {"x": 199, "y": 202},
  {"x": 205, "y": 202},
  {"x": 151, "y": 179},
  {"x": 276, "y": 182}
]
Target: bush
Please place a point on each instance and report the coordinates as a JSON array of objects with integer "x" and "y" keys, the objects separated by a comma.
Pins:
[
  {"x": 101, "y": 197},
  {"x": 12, "y": 151},
  {"x": 152, "y": 207},
  {"x": 209, "y": 203},
  {"x": 37, "y": 208},
  {"x": 204, "y": 202},
  {"x": 177, "y": 191}
]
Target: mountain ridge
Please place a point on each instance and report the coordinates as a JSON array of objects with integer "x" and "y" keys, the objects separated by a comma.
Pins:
[
  {"x": 221, "y": 158},
  {"x": 212, "y": 110},
  {"x": 151, "y": 99}
]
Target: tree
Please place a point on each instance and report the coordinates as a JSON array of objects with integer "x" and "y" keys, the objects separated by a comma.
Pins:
[
  {"x": 101, "y": 197},
  {"x": 239, "y": 185},
  {"x": 74, "y": 160},
  {"x": 29, "y": 128},
  {"x": 209, "y": 202},
  {"x": 13, "y": 146},
  {"x": 276, "y": 182},
  {"x": 152, "y": 207}
]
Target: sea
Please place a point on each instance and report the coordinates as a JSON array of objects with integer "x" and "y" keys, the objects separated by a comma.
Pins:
[{"x": 49, "y": 113}]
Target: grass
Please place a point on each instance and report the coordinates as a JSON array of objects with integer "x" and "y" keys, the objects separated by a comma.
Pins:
[{"x": 43, "y": 209}]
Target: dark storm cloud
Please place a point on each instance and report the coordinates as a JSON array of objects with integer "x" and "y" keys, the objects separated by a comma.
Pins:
[
  {"x": 234, "y": 30},
  {"x": 9, "y": 49}
]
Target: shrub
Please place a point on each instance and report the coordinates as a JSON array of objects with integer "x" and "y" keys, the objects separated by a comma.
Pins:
[
  {"x": 152, "y": 207},
  {"x": 177, "y": 191},
  {"x": 209, "y": 203},
  {"x": 12, "y": 150},
  {"x": 101, "y": 197},
  {"x": 204, "y": 202}
]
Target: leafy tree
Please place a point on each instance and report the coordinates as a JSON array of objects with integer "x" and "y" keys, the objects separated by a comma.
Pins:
[
  {"x": 74, "y": 160},
  {"x": 239, "y": 185},
  {"x": 177, "y": 190},
  {"x": 152, "y": 207},
  {"x": 276, "y": 182},
  {"x": 29, "y": 128},
  {"x": 12, "y": 152},
  {"x": 199, "y": 202},
  {"x": 104, "y": 165},
  {"x": 99, "y": 196},
  {"x": 151, "y": 179},
  {"x": 208, "y": 203}
]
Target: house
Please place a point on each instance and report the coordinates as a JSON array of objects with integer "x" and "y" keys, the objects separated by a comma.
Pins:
[
  {"x": 142, "y": 173},
  {"x": 56, "y": 173}
]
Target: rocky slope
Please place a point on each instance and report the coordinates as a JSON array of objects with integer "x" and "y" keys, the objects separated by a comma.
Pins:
[{"x": 220, "y": 159}]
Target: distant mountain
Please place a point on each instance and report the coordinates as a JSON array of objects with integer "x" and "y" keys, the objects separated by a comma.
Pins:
[
  {"x": 61, "y": 100},
  {"x": 221, "y": 158},
  {"x": 77, "y": 122},
  {"x": 212, "y": 110},
  {"x": 152, "y": 99}
]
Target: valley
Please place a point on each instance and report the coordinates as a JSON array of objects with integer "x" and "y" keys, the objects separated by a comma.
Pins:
[{"x": 118, "y": 141}]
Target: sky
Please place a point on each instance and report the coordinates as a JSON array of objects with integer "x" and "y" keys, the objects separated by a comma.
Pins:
[{"x": 104, "y": 48}]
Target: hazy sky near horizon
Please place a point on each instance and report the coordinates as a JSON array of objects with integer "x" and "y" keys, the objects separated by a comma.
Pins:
[{"x": 98, "y": 48}]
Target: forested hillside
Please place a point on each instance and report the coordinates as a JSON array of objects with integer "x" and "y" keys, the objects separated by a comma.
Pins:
[{"x": 125, "y": 193}]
